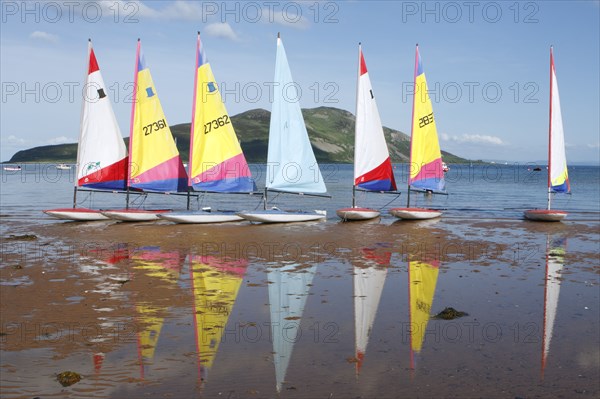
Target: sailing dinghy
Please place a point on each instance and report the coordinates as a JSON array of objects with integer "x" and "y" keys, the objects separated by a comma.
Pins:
[
  {"x": 291, "y": 163},
  {"x": 425, "y": 168},
  {"x": 101, "y": 151},
  {"x": 217, "y": 163},
  {"x": 372, "y": 165},
  {"x": 558, "y": 176},
  {"x": 155, "y": 165}
]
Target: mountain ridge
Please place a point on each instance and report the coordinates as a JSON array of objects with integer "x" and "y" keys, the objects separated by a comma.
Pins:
[{"x": 331, "y": 132}]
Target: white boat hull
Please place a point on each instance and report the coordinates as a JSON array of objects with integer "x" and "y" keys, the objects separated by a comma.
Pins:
[
  {"x": 545, "y": 215},
  {"x": 134, "y": 215},
  {"x": 415, "y": 213},
  {"x": 357, "y": 213},
  {"x": 76, "y": 214},
  {"x": 201, "y": 217},
  {"x": 279, "y": 216}
]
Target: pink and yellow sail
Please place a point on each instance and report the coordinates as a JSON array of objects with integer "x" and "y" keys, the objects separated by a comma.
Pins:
[
  {"x": 426, "y": 171},
  {"x": 372, "y": 165},
  {"x": 217, "y": 163},
  {"x": 155, "y": 164},
  {"x": 101, "y": 153}
]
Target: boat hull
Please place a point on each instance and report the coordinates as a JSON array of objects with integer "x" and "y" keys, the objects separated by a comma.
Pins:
[
  {"x": 134, "y": 215},
  {"x": 351, "y": 214},
  {"x": 279, "y": 216},
  {"x": 201, "y": 217},
  {"x": 545, "y": 215},
  {"x": 76, "y": 214},
  {"x": 415, "y": 213}
]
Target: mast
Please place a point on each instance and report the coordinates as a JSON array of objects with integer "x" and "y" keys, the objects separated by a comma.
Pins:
[
  {"x": 193, "y": 124},
  {"x": 412, "y": 123},
  {"x": 550, "y": 133},
  {"x": 131, "y": 122},
  {"x": 356, "y": 126}
]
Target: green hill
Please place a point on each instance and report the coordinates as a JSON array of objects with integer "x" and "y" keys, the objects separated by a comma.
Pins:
[{"x": 331, "y": 131}]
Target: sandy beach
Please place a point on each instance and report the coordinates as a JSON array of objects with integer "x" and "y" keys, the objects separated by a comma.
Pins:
[{"x": 118, "y": 304}]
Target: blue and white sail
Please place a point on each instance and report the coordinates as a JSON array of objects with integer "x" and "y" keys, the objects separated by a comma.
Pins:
[
  {"x": 288, "y": 290},
  {"x": 291, "y": 163}
]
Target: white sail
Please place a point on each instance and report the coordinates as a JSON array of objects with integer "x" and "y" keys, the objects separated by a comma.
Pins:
[
  {"x": 288, "y": 290},
  {"x": 555, "y": 252},
  {"x": 291, "y": 163},
  {"x": 368, "y": 286},
  {"x": 101, "y": 153},
  {"x": 559, "y": 178},
  {"x": 372, "y": 165}
]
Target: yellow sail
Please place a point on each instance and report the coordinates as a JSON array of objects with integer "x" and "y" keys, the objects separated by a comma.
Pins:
[
  {"x": 215, "y": 284},
  {"x": 422, "y": 278}
]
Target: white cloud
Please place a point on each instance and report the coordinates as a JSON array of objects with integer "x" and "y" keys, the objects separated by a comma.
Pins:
[
  {"x": 44, "y": 36},
  {"x": 593, "y": 146},
  {"x": 13, "y": 140},
  {"x": 285, "y": 16},
  {"x": 60, "y": 140},
  {"x": 473, "y": 138},
  {"x": 219, "y": 29}
]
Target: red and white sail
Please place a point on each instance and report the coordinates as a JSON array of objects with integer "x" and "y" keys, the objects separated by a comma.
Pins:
[
  {"x": 101, "y": 154},
  {"x": 372, "y": 165}
]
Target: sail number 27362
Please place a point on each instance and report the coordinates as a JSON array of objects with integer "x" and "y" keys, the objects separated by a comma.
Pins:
[{"x": 216, "y": 123}]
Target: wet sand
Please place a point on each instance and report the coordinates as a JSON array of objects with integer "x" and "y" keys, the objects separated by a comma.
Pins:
[{"x": 240, "y": 310}]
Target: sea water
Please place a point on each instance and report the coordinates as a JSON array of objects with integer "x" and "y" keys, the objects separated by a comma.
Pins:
[{"x": 492, "y": 191}]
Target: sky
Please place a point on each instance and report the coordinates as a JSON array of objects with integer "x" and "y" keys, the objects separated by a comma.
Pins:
[{"x": 486, "y": 63}]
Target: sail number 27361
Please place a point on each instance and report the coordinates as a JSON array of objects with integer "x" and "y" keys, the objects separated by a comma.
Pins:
[
  {"x": 216, "y": 123},
  {"x": 154, "y": 126}
]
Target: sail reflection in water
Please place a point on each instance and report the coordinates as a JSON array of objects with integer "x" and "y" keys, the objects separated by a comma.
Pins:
[
  {"x": 368, "y": 286},
  {"x": 555, "y": 258},
  {"x": 422, "y": 279},
  {"x": 215, "y": 286},
  {"x": 150, "y": 318},
  {"x": 288, "y": 289}
]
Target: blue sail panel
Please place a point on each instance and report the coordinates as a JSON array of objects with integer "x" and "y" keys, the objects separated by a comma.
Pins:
[{"x": 291, "y": 162}]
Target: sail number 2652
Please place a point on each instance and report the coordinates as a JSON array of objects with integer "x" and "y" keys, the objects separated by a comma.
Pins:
[
  {"x": 154, "y": 126},
  {"x": 216, "y": 123}
]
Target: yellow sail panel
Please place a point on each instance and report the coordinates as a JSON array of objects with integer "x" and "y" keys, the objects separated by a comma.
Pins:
[
  {"x": 155, "y": 162},
  {"x": 423, "y": 278},
  {"x": 151, "y": 325},
  {"x": 217, "y": 162},
  {"x": 215, "y": 290},
  {"x": 426, "y": 170}
]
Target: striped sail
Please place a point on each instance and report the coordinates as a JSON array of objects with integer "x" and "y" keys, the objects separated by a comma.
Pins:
[
  {"x": 291, "y": 163},
  {"x": 426, "y": 172},
  {"x": 288, "y": 290},
  {"x": 372, "y": 165},
  {"x": 557, "y": 168},
  {"x": 215, "y": 285},
  {"x": 555, "y": 257},
  {"x": 101, "y": 152},
  {"x": 154, "y": 159},
  {"x": 217, "y": 163},
  {"x": 422, "y": 279}
]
